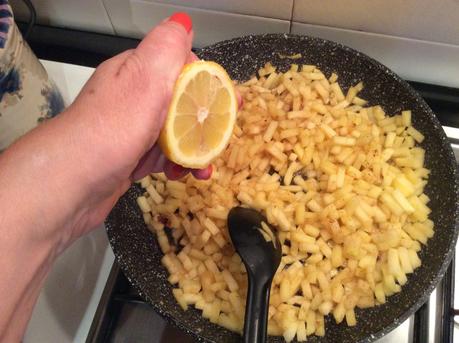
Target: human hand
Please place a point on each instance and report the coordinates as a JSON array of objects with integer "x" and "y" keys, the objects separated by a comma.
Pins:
[
  {"x": 88, "y": 156},
  {"x": 123, "y": 107},
  {"x": 149, "y": 63},
  {"x": 61, "y": 179}
]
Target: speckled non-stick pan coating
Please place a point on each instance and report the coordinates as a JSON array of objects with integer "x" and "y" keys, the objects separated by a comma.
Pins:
[{"x": 138, "y": 253}]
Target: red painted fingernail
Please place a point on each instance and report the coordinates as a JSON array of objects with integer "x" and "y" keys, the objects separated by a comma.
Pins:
[{"x": 183, "y": 19}]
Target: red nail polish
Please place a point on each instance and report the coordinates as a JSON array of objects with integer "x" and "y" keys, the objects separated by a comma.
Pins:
[{"x": 183, "y": 19}]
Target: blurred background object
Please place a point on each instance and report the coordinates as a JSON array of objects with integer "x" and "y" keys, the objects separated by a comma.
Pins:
[{"x": 27, "y": 95}]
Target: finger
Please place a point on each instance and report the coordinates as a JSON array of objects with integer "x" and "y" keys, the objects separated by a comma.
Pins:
[
  {"x": 152, "y": 162},
  {"x": 152, "y": 70},
  {"x": 202, "y": 174},
  {"x": 183, "y": 19},
  {"x": 192, "y": 57},
  {"x": 174, "y": 171},
  {"x": 166, "y": 48},
  {"x": 239, "y": 99}
]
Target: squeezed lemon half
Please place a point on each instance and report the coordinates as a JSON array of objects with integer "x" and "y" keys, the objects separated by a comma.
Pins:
[{"x": 201, "y": 115}]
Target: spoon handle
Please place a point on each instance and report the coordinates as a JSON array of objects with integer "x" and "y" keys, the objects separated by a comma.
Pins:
[{"x": 256, "y": 311}]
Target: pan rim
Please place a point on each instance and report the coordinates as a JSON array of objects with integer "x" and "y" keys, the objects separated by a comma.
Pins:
[{"x": 437, "y": 276}]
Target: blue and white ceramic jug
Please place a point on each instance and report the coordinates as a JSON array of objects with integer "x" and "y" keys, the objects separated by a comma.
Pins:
[{"x": 27, "y": 95}]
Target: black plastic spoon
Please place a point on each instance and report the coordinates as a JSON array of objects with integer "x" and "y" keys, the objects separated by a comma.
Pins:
[{"x": 261, "y": 253}]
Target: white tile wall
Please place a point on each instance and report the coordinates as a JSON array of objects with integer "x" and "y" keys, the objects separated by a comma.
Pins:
[
  {"x": 136, "y": 18},
  {"x": 419, "y": 39},
  {"x": 88, "y": 15},
  {"x": 279, "y": 9},
  {"x": 423, "y": 61},
  {"x": 120, "y": 14},
  {"x": 421, "y": 19}
]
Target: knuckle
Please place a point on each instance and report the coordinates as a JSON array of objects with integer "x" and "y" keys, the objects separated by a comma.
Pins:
[{"x": 133, "y": 72}]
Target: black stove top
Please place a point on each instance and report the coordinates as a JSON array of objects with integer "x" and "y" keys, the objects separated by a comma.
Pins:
[{"x": 122, "y": 316}]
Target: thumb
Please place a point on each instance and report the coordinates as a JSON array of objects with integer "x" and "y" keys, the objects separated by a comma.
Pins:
[
  {"x": 166, "y": 48},
  {"x": 148, "y": 74}
]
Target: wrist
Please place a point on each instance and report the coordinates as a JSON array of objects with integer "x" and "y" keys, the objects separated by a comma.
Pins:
[{"x": 46, "y": 182}]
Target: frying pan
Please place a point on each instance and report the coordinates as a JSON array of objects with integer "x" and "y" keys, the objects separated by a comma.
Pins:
[{"x": 139, "y": 255}]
